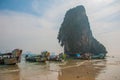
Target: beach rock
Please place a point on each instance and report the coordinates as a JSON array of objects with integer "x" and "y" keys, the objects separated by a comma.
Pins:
[{"x": 75, "y": 34}]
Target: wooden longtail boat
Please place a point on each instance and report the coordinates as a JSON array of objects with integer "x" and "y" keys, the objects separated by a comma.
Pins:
[{"x": 11, "y": 58}]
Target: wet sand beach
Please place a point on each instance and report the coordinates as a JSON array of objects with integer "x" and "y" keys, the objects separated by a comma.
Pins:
[{"x": 107, "y": 69}]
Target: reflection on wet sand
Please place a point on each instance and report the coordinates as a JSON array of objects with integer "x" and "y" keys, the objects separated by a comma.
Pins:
[
  {"x": 38, "y": 71},
  {"x": 69, "y": 70},
  {"x": 9, "y": 72},
  {"x": 86, "y": 71}
]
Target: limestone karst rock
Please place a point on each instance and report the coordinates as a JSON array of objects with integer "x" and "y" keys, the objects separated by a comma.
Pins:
[{"x": 75, "y": 34}]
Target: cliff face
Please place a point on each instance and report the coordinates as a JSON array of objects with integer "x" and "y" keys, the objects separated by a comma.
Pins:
[{"x": 75, "y": 33}]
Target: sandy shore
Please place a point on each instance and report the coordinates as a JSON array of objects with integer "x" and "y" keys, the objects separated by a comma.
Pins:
[{"x": 108, "y": 69}]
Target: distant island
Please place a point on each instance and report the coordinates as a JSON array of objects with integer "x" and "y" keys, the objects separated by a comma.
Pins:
[{"x": 76, "y": 36}]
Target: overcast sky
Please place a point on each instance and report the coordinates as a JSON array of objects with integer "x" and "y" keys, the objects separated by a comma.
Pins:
[{"x": 33, "y": 25}]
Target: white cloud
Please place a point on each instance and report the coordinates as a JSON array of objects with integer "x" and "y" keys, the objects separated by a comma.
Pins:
[
  {"x": 106, "y": 11},
  {"x": 26, "y": 31},
  {"x": 35, "y": 33}
]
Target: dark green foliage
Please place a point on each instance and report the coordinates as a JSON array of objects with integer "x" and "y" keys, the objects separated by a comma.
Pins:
[
  {"x": 75, "y": 34},
  {"x": 97, "y": 47}
]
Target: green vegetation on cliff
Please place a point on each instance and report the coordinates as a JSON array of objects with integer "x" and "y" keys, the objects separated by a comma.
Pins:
[{"x": 75, "y": 34}]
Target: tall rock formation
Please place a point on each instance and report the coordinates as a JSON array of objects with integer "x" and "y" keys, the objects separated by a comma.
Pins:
[{"x": 75, "y": 34}]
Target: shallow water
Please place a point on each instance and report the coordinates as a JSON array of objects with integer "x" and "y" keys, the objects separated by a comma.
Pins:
[{"x": 107, "y": 69}]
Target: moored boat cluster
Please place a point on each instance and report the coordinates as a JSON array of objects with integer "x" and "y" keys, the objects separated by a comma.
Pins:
[
  {"x": 15, "y": 57},
  {"x": 11, "y": 57}
]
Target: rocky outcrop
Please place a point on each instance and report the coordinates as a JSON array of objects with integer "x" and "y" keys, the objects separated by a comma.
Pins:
[{"x": 75, "y": 34}]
